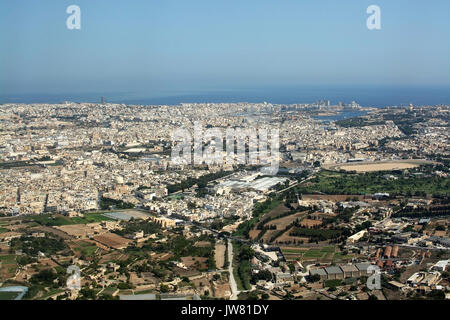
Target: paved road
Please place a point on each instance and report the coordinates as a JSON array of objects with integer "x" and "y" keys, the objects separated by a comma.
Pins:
[
  {"x": 306, "y": 273},
  {"x": 297, "y": 183},
  {"x": 233, "y": 285}
]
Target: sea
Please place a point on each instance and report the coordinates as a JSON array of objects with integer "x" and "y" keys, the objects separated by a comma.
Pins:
[
  {"x": 341, "y": 115},
  {"x": 368, "y": 96}
]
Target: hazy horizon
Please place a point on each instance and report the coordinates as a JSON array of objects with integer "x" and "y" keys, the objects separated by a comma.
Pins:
[
  {"x": 375, "y": 96},
  {"x": 152, "y": 49}
]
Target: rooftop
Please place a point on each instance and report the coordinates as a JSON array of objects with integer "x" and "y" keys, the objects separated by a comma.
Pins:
[
  {"x": 333, "y": 270},
  {"x": 320, "y": 272},
  {"x": 349, "y": 268}
]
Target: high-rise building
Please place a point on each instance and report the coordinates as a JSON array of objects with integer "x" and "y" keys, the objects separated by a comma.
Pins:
[{"x": 103, "y": 100}]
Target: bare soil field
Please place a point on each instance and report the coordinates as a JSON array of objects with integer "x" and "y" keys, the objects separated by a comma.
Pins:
[
  {"x": 268, "y": 235},
  {"x": 191, "y": 262},
  {"x": 186, "y": 273},
  {"x": 309, "y": 223},
  {"x": 222, "y": 290},
  {"x": 286, "y": 238},
  {"x": 283, "y": 222},
  {"x": 112, "y": 240},
  {"x": 334, "y": 198},
  {"x": 80, "y": 230},
  {"x": 380, "y": 165},
  {"x": 280, "y": 223},
  {"x": 202, "y": 244},
  {"x": 219, "y": 255},
  {"x": 113, "y": 256},
  {"x": 54, "y": 231},
  {"x": 202, "y": 284},
  {"x": 253, "y": 233},
  {"x": 232, "y": 227},
  {"x": 162, "y": 256},
  {"x": 281, "y": 208},
  {"x": 47, "y": 262}
]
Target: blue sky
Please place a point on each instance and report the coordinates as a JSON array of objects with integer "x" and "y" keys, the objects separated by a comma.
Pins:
[{"x": 169, "y": 47}]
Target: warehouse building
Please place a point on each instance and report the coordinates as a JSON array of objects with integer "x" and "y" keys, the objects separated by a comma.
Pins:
[
  {"x": 362, "y": 267},
  {"x": 334, "y": 273},
  {"x": 342, "y": 272},
  {"x": 320, "y": 272},
  {"x": 350, "y": 271}
]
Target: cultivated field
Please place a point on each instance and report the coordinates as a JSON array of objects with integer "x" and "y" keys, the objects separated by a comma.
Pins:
[
  {"x": 85, "y": 248},
  {"x": 333, "y": 197},
  {"x": 112, "y": 240},
  {"x": 280, "y": 209},
  {"x": 190, "y": 262},
  {"x": 253, "y": 233},
  {"x": 308, "y": 253},
  {"x": 8, "y": 295},
  {"x": 80, "y": 230},
  {"x": 280, "y": 223},
  {"x": 323, "y": 254},
  {"x": 286, "y": 238},
  {"x": 8, "y": 266},
  {"x": 202, "y": 244},
  {"x": 56, "y": 232},
  {"x": 113, "y": 256},
  {"x": 283, "y": 222}
]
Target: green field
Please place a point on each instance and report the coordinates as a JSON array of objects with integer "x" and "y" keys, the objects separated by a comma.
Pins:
[
  {"x": 330, "y": 182},
  {"x": 48, "y": 220},
  {"x": 8, "y": 259},
  {"x": 259, "y": 210},
  {"x": 175, "y": 197},
  {"x": 293, "y": 251},
  {"x": 236, "y": 264},
  {"x": 86, "y": 249},
  {"x": 91, "y": 218},
  {"x": 3, "y": 230},
  {"x": 8, "y": 295},
  {"x": 58, "y": 220},
  {"x": 316, "y": 253},
  {"x": 239, "y": 284},
  {"x": 311, "y": 253},
  {"x": 51, "y": 293},
  {"x": 333, "y": 283},
  {"x": 340, "y": 256}
]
